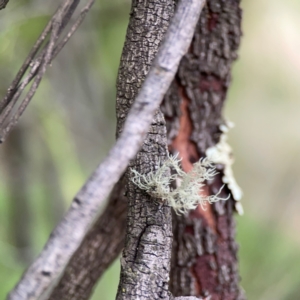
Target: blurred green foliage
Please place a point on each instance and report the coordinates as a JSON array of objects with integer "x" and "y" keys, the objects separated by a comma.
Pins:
[{"x": 70, "y": 126}]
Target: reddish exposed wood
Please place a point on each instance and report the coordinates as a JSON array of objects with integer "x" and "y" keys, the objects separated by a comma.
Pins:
[
  {"x": 182, "y": 142},
  {"x": 212, "y": 21},
  {"x": 210, "y": 83},
  {"x": 205, "y": 270},
  {"x": 189, "y": 154},
  {"x": 204, "y": 259}
]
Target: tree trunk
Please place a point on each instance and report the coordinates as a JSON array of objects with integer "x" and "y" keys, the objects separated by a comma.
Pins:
[
  {"x": 145, "y": 261},
  {"x": 204, "y": 257}
]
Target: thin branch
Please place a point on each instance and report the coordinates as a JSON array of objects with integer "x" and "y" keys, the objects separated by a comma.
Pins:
[
  {"x": 56, "y": 24},
  {"x": 3, "y": 4},
  {"x": 68, "y": 235},
  {"x": 39, "y": 64},
  {"x": 29, "y": 62},
  {"x": 23, "y": 69},
  {"x": 75, "y": 26}
]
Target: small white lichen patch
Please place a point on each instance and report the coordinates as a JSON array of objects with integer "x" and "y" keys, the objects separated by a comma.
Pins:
[
  {"x": 187, "y": 193},
  {"x": 222, "y": 154}
]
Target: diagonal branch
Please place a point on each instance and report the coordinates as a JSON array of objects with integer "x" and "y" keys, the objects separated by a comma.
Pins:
[
  {"x": 37, "y": 65},
  {"x": 68, "y": 235}
]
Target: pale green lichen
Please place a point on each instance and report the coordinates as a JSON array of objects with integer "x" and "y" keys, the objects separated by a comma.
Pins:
[
  {"x": 221, "y": 153},
  {"x": 187, "y": 194}
]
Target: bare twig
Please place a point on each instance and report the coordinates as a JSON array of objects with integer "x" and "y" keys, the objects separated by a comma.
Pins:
[
  {"x": 75, "y": 26},
  {"x": 39, "y": 64},
  {"x": 45, "y": 60},
  {"x": 68, "y": 235},
  {"x": 33, "y": 52},
  {"x": 69, "y": 5}
]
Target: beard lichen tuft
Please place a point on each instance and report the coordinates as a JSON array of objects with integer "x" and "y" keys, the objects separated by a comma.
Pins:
[{"x": 187, "y": 193}]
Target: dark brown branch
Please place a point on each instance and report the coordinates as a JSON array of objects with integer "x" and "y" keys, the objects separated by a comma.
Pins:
[
  {"x": 98, "y": 250},
  {"x": 37, "y": 65},
  {"x": 3, "y": 4}
]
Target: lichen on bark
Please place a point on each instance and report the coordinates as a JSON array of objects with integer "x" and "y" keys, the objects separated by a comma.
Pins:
[{"x": 182, "y": 191}]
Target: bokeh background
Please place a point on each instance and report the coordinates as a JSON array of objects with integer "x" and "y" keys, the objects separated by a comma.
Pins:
[{"x": 70, "y": 126}]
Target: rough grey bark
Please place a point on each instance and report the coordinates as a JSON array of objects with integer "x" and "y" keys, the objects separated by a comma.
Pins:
[
  {"x": 145, "y": 261},
  {"x": 68, "y": 235},
  {"x": 204, "y": 257},
  {"x": 148, "y": 23},
  {"x": 98, "y": 250}
]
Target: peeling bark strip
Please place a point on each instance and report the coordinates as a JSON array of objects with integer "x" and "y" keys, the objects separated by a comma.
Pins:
[
  {"x": 99, "y": 249},
  {"x": 145, "y": 261},
  {"x": 39, "y": 278},
  {"x": 204, "y": 259}
]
